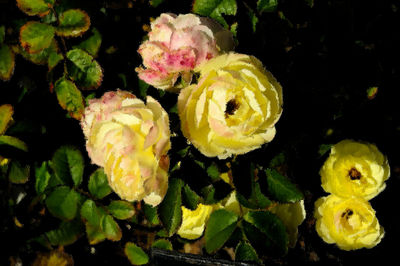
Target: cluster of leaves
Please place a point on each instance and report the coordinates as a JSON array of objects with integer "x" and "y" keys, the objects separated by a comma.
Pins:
[{"x": 40, "y": 41}]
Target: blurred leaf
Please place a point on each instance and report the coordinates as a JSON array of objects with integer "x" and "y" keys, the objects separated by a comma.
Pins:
[
  {"x": 14, "y": 142},
  {"x": 190, "y": 198},
  {"x": 156, "y": 3},
  {"x": 135, "y": 254},
  {"x": 98, "y": 184},
  {"x": 213, "y": 172},
  {"x": 220, "y": 226},
  {"x": 84, "y": 69},
  {"x": 277, "y": 160},
  {"x": 67, "y": 233},
  {"x": 2, "y": 34},
  {"x": 324, "y": 148},
  {"x": 151, "y": 214},
  {"x": 68, "y": 164},
  {"x": 19, "y": 173},
  {"x": 162, "y": 244},
  {"x": 266, "y": 230},
  {"x": 245, "y": 252},
  {"x": 56, "y": 257},
  {"x": 170, "y": 208},
  {"x": 69, "y": 97},
  {"x": 91, "y": 44},
  {"x": 267, "y": 5},
  {"x": 281, "y": 188},
  {"x": 253, "y": 18},
  {"x": 310, "y": 3},
  {"x": 92, "y": 217},
  {"x": 36, "y": 36},
  {"x": 233, "y": 29},
  {"x": 34, "y": 7},
  {"x": 215, "y": 9},
  {"x": 42, "y": 177},
  {"x": 143, "y": 87},
  {"x": 72, "y": 23},
  {"x": 7, "y": 62},
  {"x": 111, "y": 229},
  {"x": 121, "y": 210},
  {"x": 63, "y": 203},
  {"x": 372, "y": 92},
  {"x": 6, "y": 112}
]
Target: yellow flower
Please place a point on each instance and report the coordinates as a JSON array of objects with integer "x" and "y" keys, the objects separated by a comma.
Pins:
[
  {"x": 194, "y": 222},
  {"x": 130, "y": 139},
  {"x": 355, "y": 169},
  {"x": 348, "y": 222},
  {"x": 233, "y": 108},
  {"x": 292, "y": 215}
]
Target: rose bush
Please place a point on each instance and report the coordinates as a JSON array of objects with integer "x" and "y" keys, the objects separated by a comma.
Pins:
[
  {"x": 349, "y": 222},
  {"x": 233, "y": 108},
  {"x": 355, "y": 169},
  {"x": 176, "y": 45},
  {"x": 130, "y": 139}
]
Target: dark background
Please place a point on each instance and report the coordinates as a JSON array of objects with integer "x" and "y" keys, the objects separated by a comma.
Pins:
[{"x": 325, "y": 57}]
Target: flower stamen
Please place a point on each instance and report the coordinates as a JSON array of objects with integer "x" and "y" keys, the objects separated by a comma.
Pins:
[
  {"x": 231, "y": 107},
  {"x": 354, "y": 174}
]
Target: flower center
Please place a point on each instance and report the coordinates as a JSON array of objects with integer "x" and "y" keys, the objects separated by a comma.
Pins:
[
  {"x": 347, "y": 213},
  {"x": 231, "y": 107},
  {"x": 354, "y": 174}
]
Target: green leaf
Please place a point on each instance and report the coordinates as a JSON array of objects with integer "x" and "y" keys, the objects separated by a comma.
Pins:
[
  {"x": 213, "y": 172},
  {"x": 42, "y": 57},
  {"x": 245, "y": 252},
  {"x": 91, "y": 44},
  {"x": 2, "y": 34},
  {"x": 190, "y": 198},
  {"x": 372, "y": 92},
  {"x": 121, "y": 210},
  {"x": 92, "y": 216},
  {"x": 6, "y": 112},
  {"x": 68, "y": 164},
  {"x": 281, "y": 188},
  {"x": 111, "y": 229},
  {"x": 253, "y": 18},
  {"x": 54, "y": 58},
  {"x": 267, "y": 5},
  {"x": 84, "y": 69},
  {"x": 34, "y": 7},
  {"x": 69, "y": 97},
  {"x": 324, "y": 148},
  {"x": 266, "y": 231},
  {"x": 162, "y": 244},
  {"x": 19, "y": 173},
  {"x": 63, "y": 203},
  {"x": 278, "y": 160},
  {"x": 170, "y": 209},
  {"x": 151, "y": 214},
  {"x": 156, "y": 3},
  {"x": 143, "y": 87},
  {"x": 14, "y": 142},
  {"x": 98, "y": 184},
  {"x": 220, "y": 226},
  {"x": 72, "y": 23},
  {"x": 42, "y": 177},
  {"x": 66, "y": 234},
  {"x": 7, "y": 62},
  {"x": 215, "y": 9},
  {"x": 36, "y": 36},
  {"x": 135, "y": 254}
]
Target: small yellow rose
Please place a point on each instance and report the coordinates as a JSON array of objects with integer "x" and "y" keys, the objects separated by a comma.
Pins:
[
  {"x": 355, "y": 169},
  {"x": 292, "y": 215},
  {"x": 194, "y": 222},
  {"x": 233, "y": 108},
  {"x": 130, "y": 139},
  {"x": 349, "y": 222}
]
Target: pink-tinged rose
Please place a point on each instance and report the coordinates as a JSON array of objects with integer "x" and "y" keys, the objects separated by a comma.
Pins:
[
  {"x": 130, "y": 139},
  {"x": 176, "y": 45}
]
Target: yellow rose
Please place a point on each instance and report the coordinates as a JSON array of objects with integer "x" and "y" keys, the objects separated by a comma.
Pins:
[
  {"x": 355, "y": 169},
  {"x": 292, "y": 215},
  {"x": 348, "y": 222},
  {"x": 233, "y": 108},
  {"x": 194, "y": 222},
  {"x": 130, "y": 139}
]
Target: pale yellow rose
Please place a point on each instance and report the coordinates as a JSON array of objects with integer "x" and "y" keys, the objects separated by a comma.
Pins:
[
  {"x": 349, "y": 222},
  {"x": 355, "y": 169},
  {"x": 130, "y": 139},
  {"x": 233, "y": 108},
  {"x": 194, "y": 222},
  {"x": 292, "y": 215}
]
